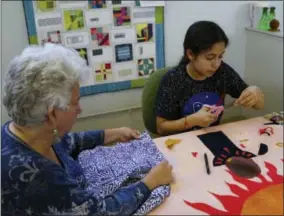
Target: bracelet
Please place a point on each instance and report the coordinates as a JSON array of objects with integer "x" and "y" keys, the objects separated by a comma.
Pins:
[{"x": 185, "y": 124}]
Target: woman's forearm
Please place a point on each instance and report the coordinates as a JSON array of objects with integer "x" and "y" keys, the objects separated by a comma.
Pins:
[
  {"x": 167, "y": 127},
  {"x": 111, "y": 135}
]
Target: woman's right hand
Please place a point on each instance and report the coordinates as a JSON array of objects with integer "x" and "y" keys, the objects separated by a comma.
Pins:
[
  {"x": 159, "y": 175},
  {"x": 204, "y": 117}
]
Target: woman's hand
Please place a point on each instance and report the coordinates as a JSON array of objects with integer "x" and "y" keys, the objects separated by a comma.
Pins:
[
  {"x": 204, "y": 117},
  {"x": 159, "y": 175},
  {"x": 250, "y": 97},
  {"x": 126, "y": 134},
  {"x": 122, "y": 134}
]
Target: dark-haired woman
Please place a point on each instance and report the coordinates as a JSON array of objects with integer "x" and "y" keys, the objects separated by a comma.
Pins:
[{"x": 201, "y": 78}]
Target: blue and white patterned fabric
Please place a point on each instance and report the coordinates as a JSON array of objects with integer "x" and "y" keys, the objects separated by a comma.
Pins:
[
  {"x": 31, "y": 184},
  {"x": 110, "y": 168}
]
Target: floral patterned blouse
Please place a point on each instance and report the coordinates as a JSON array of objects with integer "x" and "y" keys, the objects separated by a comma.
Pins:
[{"x": 34, "y": 185}]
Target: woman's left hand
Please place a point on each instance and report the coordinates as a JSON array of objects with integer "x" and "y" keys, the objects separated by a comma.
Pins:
[
  {"x": 125, "y": 134},
  {"x": 249, "y": 97}
]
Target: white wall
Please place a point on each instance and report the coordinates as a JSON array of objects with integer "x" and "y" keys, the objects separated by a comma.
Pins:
[
  {"x": 14, "y": 39},
  {"x": 264, "y": 67},
  {"x": 230, "y": 15},
  {"x": 178, "y": 16},
  {"x": 14, "y": 36}
]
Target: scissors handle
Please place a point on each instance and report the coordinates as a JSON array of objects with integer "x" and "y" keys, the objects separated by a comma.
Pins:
[{"x": 270, "y": 123}]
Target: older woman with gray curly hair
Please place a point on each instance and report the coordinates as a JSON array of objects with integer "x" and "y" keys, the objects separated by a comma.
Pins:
[{"x": 40, "y": 174}]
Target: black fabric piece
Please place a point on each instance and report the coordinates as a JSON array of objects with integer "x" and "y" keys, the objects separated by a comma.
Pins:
[
  {"x": 263, "y": 149},
  {"x": 222, "y": 147}
]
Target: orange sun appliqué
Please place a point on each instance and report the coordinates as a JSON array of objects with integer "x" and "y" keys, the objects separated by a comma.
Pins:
[{"x": 260, "y": 198}]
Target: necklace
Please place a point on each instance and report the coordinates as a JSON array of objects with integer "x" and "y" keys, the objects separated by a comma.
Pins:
[
  {"x": 18, "y": 133},
  {"x": 50, "y": 153}
]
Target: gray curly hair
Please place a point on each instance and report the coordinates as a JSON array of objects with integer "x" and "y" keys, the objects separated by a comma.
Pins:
[{"x": 39, "y": 78}]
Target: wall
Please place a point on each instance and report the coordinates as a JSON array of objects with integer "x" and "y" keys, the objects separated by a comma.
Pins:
[
  {"x": 230, "y": 15},
  {"x": 14, "y": 36},
  {"x": 264, "y": 68},
  {"x": 131, "y": 118},
  {"x": 14, "y": 39}
]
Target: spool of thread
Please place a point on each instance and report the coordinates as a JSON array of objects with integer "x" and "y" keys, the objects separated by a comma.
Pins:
[{"x": 243, "y": 167}]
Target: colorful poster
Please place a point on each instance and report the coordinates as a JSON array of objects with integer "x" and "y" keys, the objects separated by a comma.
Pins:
[{"x": 121, "y": 42}]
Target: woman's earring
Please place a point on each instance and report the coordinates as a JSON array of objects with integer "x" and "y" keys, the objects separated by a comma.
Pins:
[{"x": 56, "y": 136}]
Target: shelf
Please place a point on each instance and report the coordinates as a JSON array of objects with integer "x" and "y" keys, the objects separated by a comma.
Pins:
[{"x": 275, "y": 34}]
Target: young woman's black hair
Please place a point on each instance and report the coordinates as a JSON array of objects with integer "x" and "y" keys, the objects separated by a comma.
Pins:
[{"x": 201, "y": 36}]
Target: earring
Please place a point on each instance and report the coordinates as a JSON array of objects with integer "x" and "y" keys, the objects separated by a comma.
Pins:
[{"x": 56, "y": 136}]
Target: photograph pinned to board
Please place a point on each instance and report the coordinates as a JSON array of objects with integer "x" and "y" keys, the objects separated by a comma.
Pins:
[
  {"x": 116, "y": 2},
  {"x": 152, "y": 3},
  {"x": 125, "y": 71},
  {"x": 72, "y": 4},
  {"x": 103, "y": 72},
  {"x": 123, "y": 52},
  {"x": 122, "y": 42},
  {"x": 121, "y": 16},
  {"x": 44, "y": 21},
  {"x": 95, "y": 4},
  {"x": 100, "y": 36},
  {"x": 146, "y": 66},
  {"x": 144, "y": 32},
  {"x": 119, "y": 36},
  {"x": 101, "y": 54},
  {"x": 83, "y": 53},
  {"x": 46, "y": 6},
  {"x": 73, "y": 19},
  {"x": 143, "y": 15},
  {"x": 144, "y": 50},
  {"x": 50, "y": 36},
  {"x": 76, "y": 39}
]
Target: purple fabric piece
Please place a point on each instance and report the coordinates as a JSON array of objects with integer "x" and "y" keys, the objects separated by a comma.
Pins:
[{"x": 109, "y": 168}]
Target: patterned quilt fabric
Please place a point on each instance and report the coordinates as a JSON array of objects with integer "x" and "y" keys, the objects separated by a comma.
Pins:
[{"x": 109, "y": 168}]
